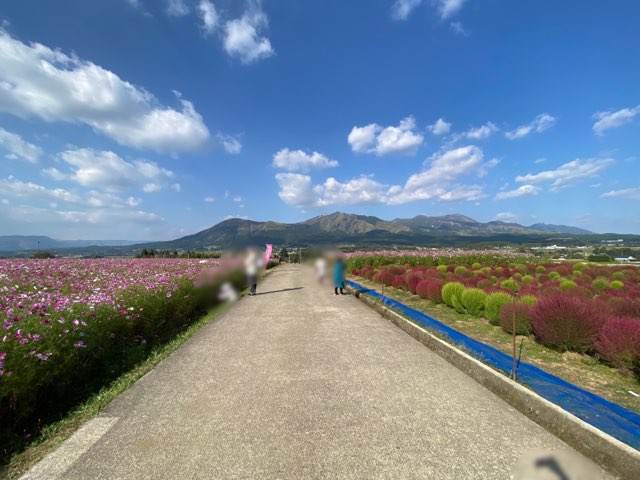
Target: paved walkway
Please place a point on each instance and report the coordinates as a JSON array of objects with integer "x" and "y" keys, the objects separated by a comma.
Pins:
[{"x": 297, "y": 383}]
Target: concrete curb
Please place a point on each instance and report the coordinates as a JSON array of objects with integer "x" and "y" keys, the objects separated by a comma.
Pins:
[{"x": 613, "y": 455}]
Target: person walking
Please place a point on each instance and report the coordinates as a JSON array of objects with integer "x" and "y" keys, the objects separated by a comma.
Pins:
[
  {"x": 252, "y": 265},
  {"x": 338, "y": 275}
]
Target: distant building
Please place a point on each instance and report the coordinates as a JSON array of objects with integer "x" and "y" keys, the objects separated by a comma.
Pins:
[{"x": 625, "y": 259}]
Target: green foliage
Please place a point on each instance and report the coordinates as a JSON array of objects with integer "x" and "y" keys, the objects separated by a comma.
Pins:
[
  {"x": 576, "y": 273},
  {"x": 473, "y": 300},
  {"x": 442, "y": 268},
  {"x": 567, "y": 284},
  {"x": 460, "y": 270},
  {"x": 580, "y": 266},
  {"x": 599, "y": 258},
  {"x": 449, "y": 290},
  {"x": 486, "y": 271},
  {"x": 528, "y": 299},
  {"x": 457, "y": 304},
  {"x": 476, "y": 265},
  {"x": 527, "y": 279},
  {"x": 617, "y": 284},
  {"x": 555, "y": 276},
  {"x": 599, "y": 284},
  {"x": 618, "y": 276},
  {"x": 494, "y": 279},
  {"x": 510, "y": 284},
  {"x": 517, "y": 276},
  {"x": 493, "y": 305},
  {"x": 540, "y": 269}
]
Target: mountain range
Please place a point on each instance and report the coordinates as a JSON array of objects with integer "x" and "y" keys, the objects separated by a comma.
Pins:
[
  {"x": 334, "y": 228},
  {"x": 328, "y": 229},
  {"x": 14, "y": 243},
  {"x": 345, "y": 228}
]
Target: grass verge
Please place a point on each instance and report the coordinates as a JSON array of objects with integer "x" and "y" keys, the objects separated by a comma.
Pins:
[
  {"x": 581, "y": 370},
  {"x": 56, "y": 433}
]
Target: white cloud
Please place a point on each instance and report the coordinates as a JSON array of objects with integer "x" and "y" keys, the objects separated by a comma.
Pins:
[
  {"x": 438, "y": 181},
  {"x": 36, "y": 81},
  {"x": 383, "y": 141},
  {"x": 108, "y": 217},
  {"x": 106, "y": 170},
  {"x": 359, "y": 191},
  {"x": 134, "y": 3},
  {"x": 243, "y": 38},
  {"x": 401, "y": 9},
  {"x": 176, "y": 187},
  {"x": 523, "y": 191},
  {"x": 568, "y": 173},
  {"x": 177, "y": 8},
  {"x": 19, "y": 148},
  {"x": 628, "y": 193},
  {"x": 458, "y": 28},
  {"x": 542, "y": 122},
  {"x": 440, "y": 127},
  {"x": 449, "y": 8},
  {"x": 481, "y": 133},
  {"x": 13, "y": 187},
  {"x": 609, "y": 119},
  {"x": 241, "y": 217},
  {"x": 297, "y": 190},
  {"x": 209, "y": 199},
  {"x": 209, "y": 16},
  {"x": 297, "y": 160},
  {"x": 230, "y": 143},
  {"x": 506, "y": 217}
]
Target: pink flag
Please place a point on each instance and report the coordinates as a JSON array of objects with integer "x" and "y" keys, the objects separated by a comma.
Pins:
[{"x": 267, "y": 253}]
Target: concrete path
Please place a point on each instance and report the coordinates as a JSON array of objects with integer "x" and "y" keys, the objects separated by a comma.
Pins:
[{"x": 297, "y": 383}]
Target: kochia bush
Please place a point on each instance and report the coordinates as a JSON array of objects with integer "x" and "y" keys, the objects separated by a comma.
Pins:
[
  {"x": 449, "y": 290},
  {"x": 473, "y": 300},
  {"x": 430, "y": 289},
  {"x": 522, "y": 312},
  {"x": 619, "y": 342},
  {"x": 567, "y": 323},
  {"x": 494, "y": 304}
]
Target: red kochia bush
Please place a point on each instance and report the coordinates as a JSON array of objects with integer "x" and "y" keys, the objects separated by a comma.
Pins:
[
  {"x": 566, "y": 322},
  {"x": 398, "y": 282},
  {"x": 523, "y": 313},
  {"x": 619, "y": 342},
  {"x": 412, "y": 279},
  {"x": 430, "y": 289},
  {"x": 386, "y": 277}
]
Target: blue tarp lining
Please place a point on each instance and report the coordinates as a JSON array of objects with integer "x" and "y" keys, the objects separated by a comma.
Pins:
[{"x": 607, "y": 416}]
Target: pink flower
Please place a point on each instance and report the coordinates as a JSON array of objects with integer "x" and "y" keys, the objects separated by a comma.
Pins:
[{"x": 79, "y": 344}]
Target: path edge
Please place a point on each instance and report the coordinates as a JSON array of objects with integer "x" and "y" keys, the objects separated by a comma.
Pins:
[{"x": 607, "y": 451}]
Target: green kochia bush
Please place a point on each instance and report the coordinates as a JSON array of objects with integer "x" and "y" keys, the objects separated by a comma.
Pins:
[
  {"x": 567, "y": 284},
  {"x": 493, "y": 305},
  {"x": 617, "y": 284},
  {"x": 511, "y": 284},
  {"x": 449, "y": 290},
  {"x": 460, "y": 270},
  {"x": 600, "y": 284},
  {"x": 457, "y": 304},
  {"x": 473, "y": 300}
]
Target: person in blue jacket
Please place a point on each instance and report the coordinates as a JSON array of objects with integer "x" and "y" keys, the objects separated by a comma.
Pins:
[{"x": 338, "y": 275}]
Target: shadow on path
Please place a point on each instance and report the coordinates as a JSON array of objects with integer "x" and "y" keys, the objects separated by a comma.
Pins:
[{"x": 278, "y": 291}]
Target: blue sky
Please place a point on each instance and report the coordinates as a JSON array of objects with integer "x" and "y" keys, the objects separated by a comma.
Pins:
[{"x": 152, "y": 119}]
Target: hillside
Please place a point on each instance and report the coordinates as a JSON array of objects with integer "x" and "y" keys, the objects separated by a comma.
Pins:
[{"x": 345, "y": 228}]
